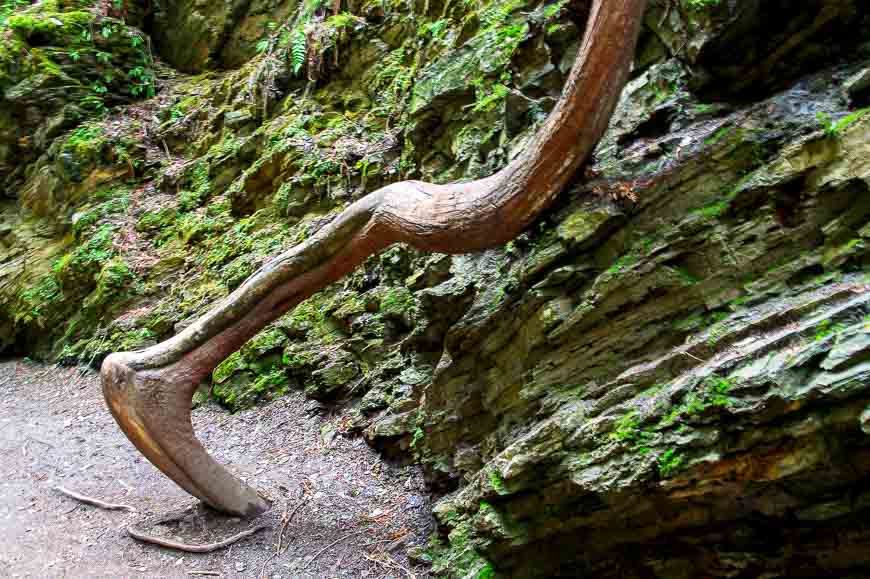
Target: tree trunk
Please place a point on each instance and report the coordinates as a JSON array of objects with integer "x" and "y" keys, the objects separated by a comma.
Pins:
[{"x": 149, "y": 392}]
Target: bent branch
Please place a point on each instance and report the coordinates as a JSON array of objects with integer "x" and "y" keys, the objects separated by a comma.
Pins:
[{"x": 149, "y": 391}]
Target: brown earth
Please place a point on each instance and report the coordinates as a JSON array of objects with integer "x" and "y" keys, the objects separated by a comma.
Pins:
[{"x": 353, "y": 515}]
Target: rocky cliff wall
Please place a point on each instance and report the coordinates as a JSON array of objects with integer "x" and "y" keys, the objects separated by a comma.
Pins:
[{"x": 667, "y": 375}]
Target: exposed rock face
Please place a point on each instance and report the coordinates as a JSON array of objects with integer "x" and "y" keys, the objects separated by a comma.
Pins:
[
  {"x": 193, "y": 35},
  {"x": 705, "y": 386},
  {"x": 667, "y": 376}
]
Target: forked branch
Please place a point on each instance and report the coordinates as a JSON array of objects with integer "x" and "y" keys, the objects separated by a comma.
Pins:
[{"x": 149, "y": 392}]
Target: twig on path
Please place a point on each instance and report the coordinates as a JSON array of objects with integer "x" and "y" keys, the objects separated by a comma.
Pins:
[
  {"x": 212, "y": 573},
  {"x": 278, "y": 549},
  {"x": 208, "y": 548},
  {"x": 390, "y": 563},
  {"x": 92, "y": 501},
  {"x": 286, "y": 524},
  {"x": 332, "y": 544}
]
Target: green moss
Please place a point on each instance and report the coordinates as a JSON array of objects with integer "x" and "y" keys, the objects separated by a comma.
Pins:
[
  {"x": 457, "y": 557},
  {"x": 85, "y": 141},
  {"x": 827, "y": 328},
  {"x": 159, "y": 223},
  {"x": 267, "y": 341},
  {"x": 241, "y": 392},
  {"x": 622, "y": 264},
  {"x": 496, "y": 481},
  {"x": 37, "y": 300},
  {"x": 112, "y": 281},
  {"x": 295, "y": 358},
  {"x": 118, "y": 203},
  {"x": 686, "y": 277},
  {"x": 86, "y": 259},
  {"x": 398, "y": 301},
  {"x": 228, "y": 367},
  {"x": 350, "y": 304},
  {"x": 237, "y": 271},
  {"x": 45, "y": 23},
  {"x": 487, "y": 572}
]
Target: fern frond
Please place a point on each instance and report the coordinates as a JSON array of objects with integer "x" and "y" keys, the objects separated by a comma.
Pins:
[{"x": 297, "y": 50}]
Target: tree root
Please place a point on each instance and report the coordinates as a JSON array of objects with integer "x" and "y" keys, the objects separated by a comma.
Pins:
[
  {"x": 92, "y": 501},
  {"x": 178, "y": 546}
]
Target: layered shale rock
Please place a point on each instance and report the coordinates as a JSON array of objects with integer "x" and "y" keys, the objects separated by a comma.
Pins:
[{"x": 665, "y": 376}]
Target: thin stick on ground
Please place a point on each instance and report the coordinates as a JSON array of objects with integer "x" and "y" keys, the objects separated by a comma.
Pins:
[
  {"x": 92, "y": 501},
  {"x": 278, "y": 551},
  {"x": 329, "y": 546},
  {"x": 187, "y": 548},
  {"x": 390, "y": 563},
  {"x": 212, "y": 573}
]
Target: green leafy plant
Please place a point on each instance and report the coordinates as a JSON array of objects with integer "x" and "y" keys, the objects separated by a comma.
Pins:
[
  {"x": 142, "y": 82},
  {"x": 297, "y": 50},
  {"x": 669, "y": 462},
  {"x": 834, "y": 129},
  {"x": 702, "y": 4}
]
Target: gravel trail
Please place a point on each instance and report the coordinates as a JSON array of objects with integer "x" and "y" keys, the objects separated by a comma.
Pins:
[{"x": 352, "y": 514}]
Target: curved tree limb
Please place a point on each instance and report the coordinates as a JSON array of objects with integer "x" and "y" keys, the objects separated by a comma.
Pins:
[{"x": 149, "y": 392}]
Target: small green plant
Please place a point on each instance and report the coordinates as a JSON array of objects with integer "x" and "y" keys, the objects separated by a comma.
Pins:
[
  {"x": 141, "y": 82},
  {"x": 627, "y": 431},
  {"x": 669, "y": 462},
  {"x": 827, "y": 328},
  {"x": 714, "y": 391},
  {"x": 487, "y": 572},
  {"x": 834, "y": 129},
  {"x": 417, "y": 438},
  {"x": 297, "y": 50},
  {"x": 622, "y": 264},
  {"x": 699, "y": 5},
  {"x": 488, "y": 100},
  {"x": 553, "y": 10},
  {"x": 496, "y": 481},
  {"x": 720, "y": 134}
]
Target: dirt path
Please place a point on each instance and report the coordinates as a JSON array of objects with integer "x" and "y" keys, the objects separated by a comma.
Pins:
[{"x": 355, "y": 516}]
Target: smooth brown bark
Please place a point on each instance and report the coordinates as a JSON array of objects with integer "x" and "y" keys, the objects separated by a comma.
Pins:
[{"x": 149, "y": 392}]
